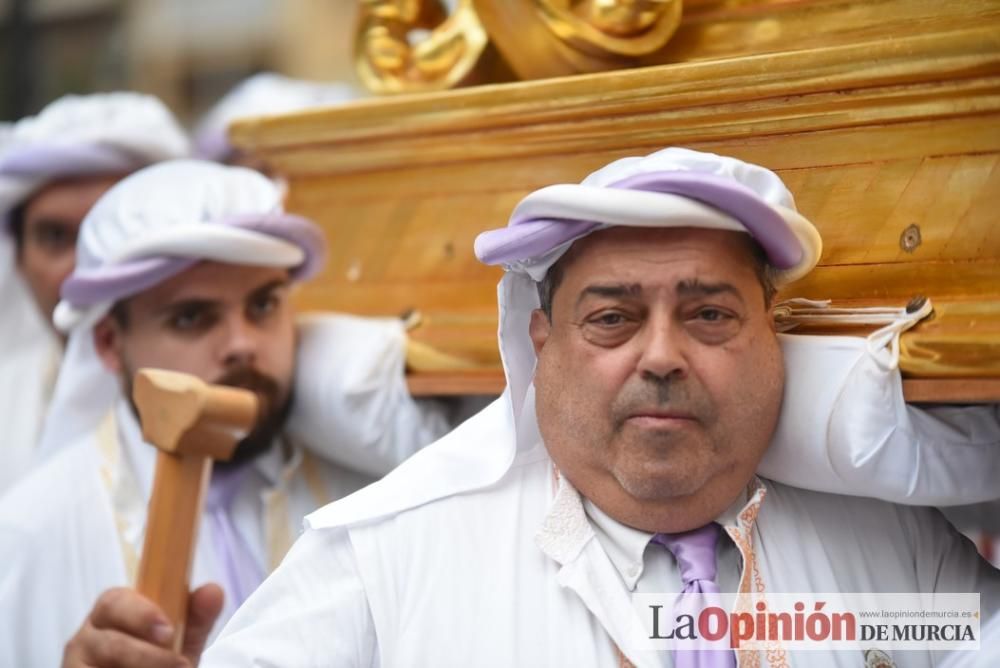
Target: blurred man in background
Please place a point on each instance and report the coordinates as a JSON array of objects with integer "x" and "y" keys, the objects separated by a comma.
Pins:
[{"x": 53, "y": 168}]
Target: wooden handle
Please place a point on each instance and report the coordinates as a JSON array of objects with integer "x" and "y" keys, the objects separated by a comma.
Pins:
[
  {"x": 171, "y": 534},
  {"x": 191, "y": 423}
]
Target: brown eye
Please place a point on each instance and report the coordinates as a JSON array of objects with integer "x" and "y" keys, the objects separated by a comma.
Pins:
[
  {"x": 610, "y": 319},
  {"x": 186, "y": 320},
  {"x": 713, "y": 325},
  {"x": 262, "y": 306},
  {"x": 191, "y": 319},
  {"x": 609, "y": 328},
  {"x": 712, "y": 315},
  {"x": 54, "y": 237}
]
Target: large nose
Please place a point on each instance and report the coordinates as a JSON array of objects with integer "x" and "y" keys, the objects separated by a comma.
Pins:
[
  {"x": 664, "y": 349},
  {"x": 240, "y": 343}
]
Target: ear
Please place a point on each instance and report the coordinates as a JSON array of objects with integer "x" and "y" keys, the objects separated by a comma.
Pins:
[
  {"x": 107, "y": 343},
  {"x": 539, "y": 329}
]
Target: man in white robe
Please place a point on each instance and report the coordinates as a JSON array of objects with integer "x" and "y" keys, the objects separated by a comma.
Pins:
[
  {"x": 188, "y": 266},
  {"x": 53, "y": 167},
  {"x": 521, "y": 537}
]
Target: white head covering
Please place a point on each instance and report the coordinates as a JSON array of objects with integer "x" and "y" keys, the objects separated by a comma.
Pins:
[
  {"x": 670, "y": 188},
  {"x": 150, "y": 226},
  {"x": 263, "y": 94},
  {"x": 72, "y": 137},
  {"x": 107, "y": 133}
]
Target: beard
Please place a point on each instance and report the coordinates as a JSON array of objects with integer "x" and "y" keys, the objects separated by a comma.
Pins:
[{"x": 272, "y": 410}]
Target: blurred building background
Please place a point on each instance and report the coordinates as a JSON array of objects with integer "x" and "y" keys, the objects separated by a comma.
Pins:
[{"x": 187, "y": 52}]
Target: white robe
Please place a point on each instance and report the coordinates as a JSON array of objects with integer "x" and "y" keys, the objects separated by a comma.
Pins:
[
  {"x": 511, "y": 573},
  {"x": 74, "y": 526},
  {"x": 29, "y": 359}
]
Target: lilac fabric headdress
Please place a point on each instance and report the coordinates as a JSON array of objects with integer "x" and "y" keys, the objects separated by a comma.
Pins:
[
  {"x": 674, "y": 187},
  {"x": 89, "y": 135},
  {"x": 163, "y": 219}
]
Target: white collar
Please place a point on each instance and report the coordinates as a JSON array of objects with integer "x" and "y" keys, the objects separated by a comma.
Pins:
[
  {"x": 626, "y": 546},
  {"x": 623, "y": 544}
]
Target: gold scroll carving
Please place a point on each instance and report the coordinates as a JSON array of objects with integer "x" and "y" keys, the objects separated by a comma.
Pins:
[
  {"x": 387, "y": 62},
  {"x": 537, "y": 38}
]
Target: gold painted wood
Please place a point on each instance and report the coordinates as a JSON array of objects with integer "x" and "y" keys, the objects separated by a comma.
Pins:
[
  {"x": 549, "y": 38},
  {"x": 915, "y": 390},
  {"x": 385, "y": 60},
  {"x": 951, "y": 390},
  {"x": 892, "y": 147},
  {"x": 542, "y": 39}
]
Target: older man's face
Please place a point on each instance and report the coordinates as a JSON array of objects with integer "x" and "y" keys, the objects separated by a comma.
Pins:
[
  {"x": 659, "y": 377},
  {"x": 226, "y": 324}
]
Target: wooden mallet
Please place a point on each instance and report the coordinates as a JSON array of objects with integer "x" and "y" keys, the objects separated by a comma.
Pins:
[{"x": 191, "y": 423}]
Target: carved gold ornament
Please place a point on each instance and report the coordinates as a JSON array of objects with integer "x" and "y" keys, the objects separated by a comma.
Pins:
[
  {"x": 392, "y": 55},
  {"x": 612, "y": 27}
]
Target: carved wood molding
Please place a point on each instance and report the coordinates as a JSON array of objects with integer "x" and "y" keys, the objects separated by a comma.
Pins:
[{"x": 891, "y": 146}]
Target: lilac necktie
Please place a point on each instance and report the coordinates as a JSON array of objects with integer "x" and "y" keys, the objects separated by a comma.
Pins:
[
  {"x": 695, "y": 555},
  {"x": 240, "y": 571}
]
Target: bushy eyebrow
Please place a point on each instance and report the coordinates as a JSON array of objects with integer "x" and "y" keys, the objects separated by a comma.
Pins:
[
  {"x": 270, "y": 286},
  {"x": 206, "y": 304},
  {"x": 613, "y": 291},
  {"x": 52, "y": 220},
  {"x": 697, "y": 288},
  {"x": 173, "y": 308},
  {"x": 691, "y": 288}
]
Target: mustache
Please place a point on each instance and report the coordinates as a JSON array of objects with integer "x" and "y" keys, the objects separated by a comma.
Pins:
[
  {"x": 248, "y": 378},
  {"x": 271, "y": 413},
  {"x": 667, "y": 395}
]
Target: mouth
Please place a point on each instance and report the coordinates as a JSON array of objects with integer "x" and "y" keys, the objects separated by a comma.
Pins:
[{"x": 660, "y": 419}]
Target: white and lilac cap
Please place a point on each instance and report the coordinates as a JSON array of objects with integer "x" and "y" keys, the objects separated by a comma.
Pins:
[
  {"x": 85, "y": 135},
  {"x": 674, "y": 187},
  {"x": 167, "y": 217}
]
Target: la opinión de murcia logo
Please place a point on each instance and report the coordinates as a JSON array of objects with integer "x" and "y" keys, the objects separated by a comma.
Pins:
[{"x": 811, "y": 621}]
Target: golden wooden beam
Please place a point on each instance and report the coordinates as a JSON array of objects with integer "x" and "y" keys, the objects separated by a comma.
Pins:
[
  {"x": 915, "y": 390},
  {"x": 892, "y": 147}
]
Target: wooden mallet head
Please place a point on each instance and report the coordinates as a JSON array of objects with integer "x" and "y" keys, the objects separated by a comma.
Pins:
[{"x": 191, "y": 423}]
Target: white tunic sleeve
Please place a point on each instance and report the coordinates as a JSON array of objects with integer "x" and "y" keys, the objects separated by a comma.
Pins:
[
  {"x": 845, "y": 428},
  {"x": 312, "y": 611},
  {"x": 352, "y": 406}
]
